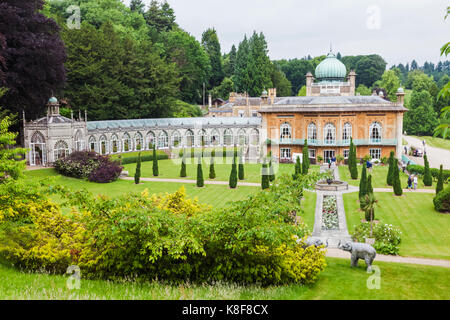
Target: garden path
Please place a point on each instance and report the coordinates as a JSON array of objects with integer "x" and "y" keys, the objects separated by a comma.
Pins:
[{"x": 436, "y": 156}]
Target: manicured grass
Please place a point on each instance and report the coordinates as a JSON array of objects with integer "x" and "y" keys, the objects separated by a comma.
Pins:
[
  {"x": 425, "y": 232},
  {"x": 339, "y": 281},
  {"x": 170, "y": 169},
  {"x": 214, "y": 195},
  {"x": 435, "y": 142},
  {"x": 379, "y": 175},
  {"x": 136, "y": 153}
]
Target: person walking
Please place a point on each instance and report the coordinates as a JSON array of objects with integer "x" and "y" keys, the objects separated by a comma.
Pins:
[
  {"x": 415, "y": 180},
  {"x": 409, "y": 183}
]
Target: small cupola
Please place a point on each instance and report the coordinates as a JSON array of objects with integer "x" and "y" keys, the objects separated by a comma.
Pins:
[{"x": 53, "y": 107}]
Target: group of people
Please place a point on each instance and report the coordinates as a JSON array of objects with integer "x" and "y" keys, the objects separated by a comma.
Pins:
[{"x": 412, "y": 180}]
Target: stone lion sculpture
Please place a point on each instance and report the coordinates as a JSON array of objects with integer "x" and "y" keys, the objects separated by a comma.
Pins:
[{"x": 362, "y": 251}]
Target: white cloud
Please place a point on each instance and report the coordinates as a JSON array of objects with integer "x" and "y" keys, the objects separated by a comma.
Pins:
[{"x": 409, "y": 29}]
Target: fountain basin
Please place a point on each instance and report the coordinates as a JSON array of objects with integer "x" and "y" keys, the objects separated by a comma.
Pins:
[{"x": 334, "y": 185}]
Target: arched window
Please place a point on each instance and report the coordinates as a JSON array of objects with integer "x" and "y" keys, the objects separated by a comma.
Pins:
[
  {"x": 242, "y": 138},
  {"x": 346, "y": 133},
  {"x": 38, "y": 154},
  {"x": 176, "y": 139},
  {"x": 126, "y": 142},
  {"x": 215, "y": 137},
  {"x": 254, "y": 137},
  {"x": 228, "y": 137},
  {"x": 203, "y": 138},
  {"x": 312, "y": 133},
  {"x": 329, "y": 134},
  {"x": 286, "y": 131},
  {"x": 163, "y": 140},
  {"x": 375, "y": 132},
  {"x": 115, "y": 145},
  {"x": 189, "y": 138},
  {"x": 150, "y": 140},
  {"x": 61, "y": 150},
  {"x": 103, "y": 145},
  {"x": 138, "y": 141},
  {"x": 79, "y": 142},
  {"x": 92, "y": 144}
]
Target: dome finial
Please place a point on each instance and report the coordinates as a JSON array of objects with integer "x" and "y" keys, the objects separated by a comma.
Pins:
[{"x": 331, "y": 47}]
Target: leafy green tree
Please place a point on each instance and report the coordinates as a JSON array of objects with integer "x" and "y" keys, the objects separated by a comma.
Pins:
[
  {"x": 421, "y": 81},
  {"x": 298, "y": 168},
  {"x": 427, "y": 178},
  {"x": 363, "y": 90},
  {"x": 398, "y": 191},
  {"x": 305, "y": 163},
  {"x": 369, "y": 185},
  {"x": 302, "y": 92},
  {"x": 352, "y": 161},
  {"x": 241, "y": 172},
  {"x": 223, "y": 90},
  {"x": 440, "y": 182},
  {"x": 295, "y": 71},
  {"x": 117, "y": 78},
  {"x": 212, "y": 171},
  {"x": 229, "y": 63},
  {"x": 363, "y": 183},
  {"x": 200, "y": 181},
  {"x": 160, "y": 17},
  {"x": 211, "y": 45},
  {"x": 390, "y": 82},
  {"x": 11, "y": 167},
  {"x": 265, "y": 183},
  {"x": 369, "y": 68},
  {"x": 32, "y": 57},
  {"x": 421, "y": 118},
  {"x": 137, "y": 174},
  {"x": 183, "y": 165},
  {"x": 233, "y": 175},
  {"x": 155, "y": 163},
  {"x": 390, "y": 175},
  {"x": 192, "y": 63},
  {"x": 186, "y": 110},
  {"x": 280, "y": 82},
  {"x": 137, "y": 6},
  {"x": 241, "y": 74}
]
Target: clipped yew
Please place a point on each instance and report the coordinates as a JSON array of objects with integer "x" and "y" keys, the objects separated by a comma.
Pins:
[
  {"x": 155, "y": 163},
  {"x": 398, "y": 191},
  {"x": 233, "y": 175},
  {"x": 390, "y": 175},
  {"x": 212, "y": 171},
  {"x": 440, "y": 182},
  {"x": 137, "y": 174},
  {"x": 427, "y": 178},
  {"x": 200, "y": 181}
]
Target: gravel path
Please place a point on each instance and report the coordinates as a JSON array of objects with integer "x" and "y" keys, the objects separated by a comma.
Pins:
[
  {"x": 436, "y": 156},
  {"x": 337, "y": 253}
]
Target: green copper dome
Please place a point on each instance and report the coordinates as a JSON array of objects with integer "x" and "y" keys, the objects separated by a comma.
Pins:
[
  {"x": 53, "y": 100},
  {"x": 331, "y": 69}
]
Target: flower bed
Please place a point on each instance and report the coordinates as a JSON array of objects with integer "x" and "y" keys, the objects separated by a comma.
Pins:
[
  {"x": 330, "y": 218},
  {"x": 387, "y": 237}
]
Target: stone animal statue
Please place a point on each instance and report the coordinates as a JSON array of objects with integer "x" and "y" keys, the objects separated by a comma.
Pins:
[
  {"x": 312, "y": 242},
  {"x": 362, "y": 251}
]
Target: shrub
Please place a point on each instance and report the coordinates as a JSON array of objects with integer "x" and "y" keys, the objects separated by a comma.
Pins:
[
  {"x": 212, "y": 171},
  {"x": 200, "y": 181},
  {"x": 144, "y": 158},
  {"x": 384, "y": 160},
  {"x": 420, "y": 170},
  {"x": 91, "y": 165},
  {"x": 305, "y": 163},
  {"x": 155, "y": 163},
  {"x": 183, "y": 166},
  {"x": 137, "y": 174},
  {"x": 427, "y": 179},
  {"x": 233, "y": 175},
  {"x": 440, "y": 183},
  {"x": 390, "y": 175},
  {"x": 265, "y": 183},
  {"x": 106, "y": 173},
  {"x": 398, "y": 191},
  {"x": 387, "y": 237},
  {"x": 167, "y": 237},
  {"x": 442, "y": 200},
  {"x": 363, "y": 183}
]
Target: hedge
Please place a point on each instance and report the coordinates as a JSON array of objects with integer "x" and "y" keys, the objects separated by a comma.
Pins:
[
  {"x": 129, "y": 160},
  {"x": 418, "y": 169},
  {"x": 442, "y": 200}
]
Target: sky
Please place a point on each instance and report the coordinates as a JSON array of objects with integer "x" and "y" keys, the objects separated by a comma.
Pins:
[{"x": 398, "y": 30}]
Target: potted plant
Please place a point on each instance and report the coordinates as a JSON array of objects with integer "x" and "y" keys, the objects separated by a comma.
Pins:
[
  {"x": 339, "y": 159},
  {"x": 320, "y": 159},
  {"x": 368, "y": 205}
]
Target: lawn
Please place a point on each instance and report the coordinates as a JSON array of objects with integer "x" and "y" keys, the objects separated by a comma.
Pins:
[
  {"x": 425, "y": 232},
  {"x": 379, "y": 175},
  {"x": 435, "y": 142},
  {"x": 338, "y": 281},
  {"x": 170, "y": 169}
]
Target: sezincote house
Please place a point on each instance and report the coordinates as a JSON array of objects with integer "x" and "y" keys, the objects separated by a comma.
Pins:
[{"x": 327, "y": 117}]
